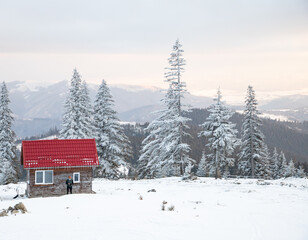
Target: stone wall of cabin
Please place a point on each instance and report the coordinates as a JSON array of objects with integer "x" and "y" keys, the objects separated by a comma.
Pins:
[{"x": 59, "y": 186}]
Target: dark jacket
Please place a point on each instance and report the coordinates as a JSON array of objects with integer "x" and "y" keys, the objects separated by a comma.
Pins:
[{"x": 69, "y": 182}]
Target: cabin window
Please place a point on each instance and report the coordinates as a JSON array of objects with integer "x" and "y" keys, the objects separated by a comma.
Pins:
[
  {"x": 44, "y": 177},
  {"x": 39, "y": 177},
  {"x": 76, "y": 177}
]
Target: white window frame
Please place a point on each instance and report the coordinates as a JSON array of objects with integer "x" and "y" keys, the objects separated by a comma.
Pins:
[
  {"x": 74, "y": 177},
  {"x": 43, "y": 183}
]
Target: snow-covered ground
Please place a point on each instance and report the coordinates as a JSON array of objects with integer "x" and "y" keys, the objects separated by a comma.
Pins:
[{"x": 204, "y": 209}]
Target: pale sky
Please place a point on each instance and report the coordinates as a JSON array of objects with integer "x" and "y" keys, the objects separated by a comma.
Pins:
[{"x": 227, "y": 43}]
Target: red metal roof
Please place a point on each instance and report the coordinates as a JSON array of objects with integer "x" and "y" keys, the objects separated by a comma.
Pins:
[{"x": 59, "y": 153}]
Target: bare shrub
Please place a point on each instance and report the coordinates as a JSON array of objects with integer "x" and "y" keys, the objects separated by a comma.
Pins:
[
  {"x": 163, "y": 208},
  {"x": 171, "y": 208}
]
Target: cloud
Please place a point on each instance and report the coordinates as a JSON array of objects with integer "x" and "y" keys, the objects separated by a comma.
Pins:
[
  {"x": 226, "y": 43},
  {"x": 144, "y": 26}
]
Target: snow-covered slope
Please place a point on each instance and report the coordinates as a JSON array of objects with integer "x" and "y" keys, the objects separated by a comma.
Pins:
[{"x": 204, "y": 209}]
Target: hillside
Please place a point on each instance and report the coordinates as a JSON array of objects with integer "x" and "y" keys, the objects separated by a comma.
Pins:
[
  {"x": 291, "y": 138},
  {"x": 286, "y": 136}
]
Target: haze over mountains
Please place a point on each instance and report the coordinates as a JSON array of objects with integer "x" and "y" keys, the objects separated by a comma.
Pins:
[{"x": 40, "y": 108}]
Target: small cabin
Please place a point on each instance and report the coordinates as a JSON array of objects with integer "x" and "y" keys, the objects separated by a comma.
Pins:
[{"x": 50, "y": 162}]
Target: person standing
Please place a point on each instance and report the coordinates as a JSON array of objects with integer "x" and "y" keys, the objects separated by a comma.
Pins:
[{"x": 69, "y": 184}]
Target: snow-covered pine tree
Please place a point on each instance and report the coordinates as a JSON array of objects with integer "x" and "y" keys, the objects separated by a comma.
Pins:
[
  {"x": 113, "y": 146},
  {"x": 274, "y": 164},
  {"x": 264, "y": 169},
  {"x": 291, "y": 169},
  {"x": 282, "y": 165},
  {"x": 77, "y": 122},
  {"x": 153, "y": 146},
  {"x": 149, "y": 162},
  {"x": 221, "y": 135},
  {"x": 202, "y": 166},
  {"x": 300, "y": 172},
  {"x": 8, "y": 168},
  {"x": 86, "y": 124},
  {"x": 163, "y": 151},
  {"x": 252, "y": 149},
  {"x": 176, "y": 151}
]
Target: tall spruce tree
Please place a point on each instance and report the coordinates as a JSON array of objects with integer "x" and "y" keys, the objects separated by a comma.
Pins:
[
  {"x": 86, "y": 123},
  {"x": 163, "y": 151},
  {"x": 113, "y": 146},
  {"x": 8, "y": 168},
  {"x": 221, "y": 135},
  {"x": 150, "y": 162},
  {"x": 176, "y": 151},
  {"x": 252, "y": 156},
  {"x": 77, "y": 120}
]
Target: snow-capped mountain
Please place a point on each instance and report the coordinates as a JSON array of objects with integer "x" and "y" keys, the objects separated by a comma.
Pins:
[
  {"x": 47, "y": 102},
  {"x": 39, "y": 102},
  {"x": 39, "y": 108}
]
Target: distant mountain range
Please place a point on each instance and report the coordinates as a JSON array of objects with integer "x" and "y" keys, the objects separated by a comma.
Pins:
[
  {"x": 47, "y": 102},
  {"x": 287, "y": 102},
  {"x": 293, "y": 107},
  {"x": 38, "y": 109}
]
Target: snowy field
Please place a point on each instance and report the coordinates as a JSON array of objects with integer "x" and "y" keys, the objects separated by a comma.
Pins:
[{"x": 204, "y": 209}]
